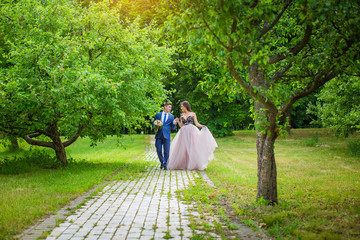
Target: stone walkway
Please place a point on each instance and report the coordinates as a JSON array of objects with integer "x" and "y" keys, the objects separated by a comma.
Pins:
[{"x": 143, "y": 208}]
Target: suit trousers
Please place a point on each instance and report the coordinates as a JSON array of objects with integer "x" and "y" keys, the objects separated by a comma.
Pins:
[{"x": 163, "y": 149}]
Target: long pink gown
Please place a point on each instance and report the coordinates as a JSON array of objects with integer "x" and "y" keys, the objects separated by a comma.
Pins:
[{"x": 191, "y": 149}]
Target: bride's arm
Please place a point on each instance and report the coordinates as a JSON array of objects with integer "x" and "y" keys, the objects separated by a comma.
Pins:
[
  {"x": 196, "y": 122},
  {"x": 180, "y": 121}
]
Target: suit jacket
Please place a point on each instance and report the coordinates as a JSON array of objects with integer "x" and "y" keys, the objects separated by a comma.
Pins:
[{"x": 166, "y": 129}]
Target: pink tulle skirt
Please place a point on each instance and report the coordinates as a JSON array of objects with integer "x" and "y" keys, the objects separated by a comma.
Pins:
[{"x": 191, "y": 149}]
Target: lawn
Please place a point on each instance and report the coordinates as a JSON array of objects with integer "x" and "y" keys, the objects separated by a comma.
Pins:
[
  {"x": 31, "y": 189},
  {"x": 318, "y": 183},
  {"x": 318, "y": 186}
]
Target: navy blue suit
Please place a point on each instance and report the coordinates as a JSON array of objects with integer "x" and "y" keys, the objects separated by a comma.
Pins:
[{"x": 162, "y": 138}]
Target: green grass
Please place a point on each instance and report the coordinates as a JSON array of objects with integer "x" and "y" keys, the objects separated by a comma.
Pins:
[
  {"x": 318, "y": 185},
  {"x": 35, "y": 191}
]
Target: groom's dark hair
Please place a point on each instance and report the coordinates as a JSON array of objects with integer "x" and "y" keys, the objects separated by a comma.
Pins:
[{"x": 167, "y": 103}]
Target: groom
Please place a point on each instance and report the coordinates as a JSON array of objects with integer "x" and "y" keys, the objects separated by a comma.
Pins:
[{"x": 162, "y": 137}]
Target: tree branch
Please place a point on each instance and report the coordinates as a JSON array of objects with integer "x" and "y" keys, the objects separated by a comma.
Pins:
[
  {"x": 239, "y": 79},
  {"x": 267, "y": 28},
  {"x": 75, "y": 137},
  {"x": 217, "y": 38},
  {"x": 280, "y": 73},
  {"x": 248, "y": 88},
  {"x": 322, "y": 77},
  {"x": 253, "y": 5},
  {"x": 319, "y": 80},
  {"x": 295, "y": 76},
  {"x": 29, "y": 139},
  {"x": 100, "y": 48},
  {"x": 296, "y": 49},
  {"x": 36, "y": 134},
  {"x": 90, "y": 54}
]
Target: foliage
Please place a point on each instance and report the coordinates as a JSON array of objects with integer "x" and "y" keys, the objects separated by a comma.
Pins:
[
  {"x": 238, "y": 34},
  {"x": 300, "y": 117},
  {"x": 75, "y": 70},
  {"x": 338, "y": 106},
  {"x": 214, "y": 109},
  {"x": 277, "y": 51},
  {"x": 145, "y": 12},
  {"x": 220, "y": 109}
]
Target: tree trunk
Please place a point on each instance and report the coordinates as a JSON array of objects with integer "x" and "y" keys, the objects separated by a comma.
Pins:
[
  {"x": 265, "y": 140},
  {"x": 267, "y": 174},
  {"x": 60, "y": 152},
  {"x": 14, "y": 144},
  {"x": 58, "y": 145}
]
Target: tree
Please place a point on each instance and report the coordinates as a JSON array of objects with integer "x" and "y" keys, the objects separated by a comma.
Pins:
[
  {"x": 71, "y": 71},
  {"x": 338, "y": 105},
  {"x": 146, "y": 11},
  {"x": 215, "y": 109},
  {"x": 278, "y": 51},
  {"x": 222, "y": 110}
]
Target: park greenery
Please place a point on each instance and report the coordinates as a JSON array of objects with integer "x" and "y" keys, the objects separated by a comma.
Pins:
[
  {"x": 338, "y": 106},
  {"x": 74, "y": 72},
  {"x": 277, "y": 51}
]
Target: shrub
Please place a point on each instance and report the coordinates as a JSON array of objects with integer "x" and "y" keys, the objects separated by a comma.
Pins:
[
  {"x": 311, "y": 142},
  {"x": 354, "y": 148}
]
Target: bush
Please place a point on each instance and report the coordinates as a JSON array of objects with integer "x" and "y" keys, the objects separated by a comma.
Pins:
[
  {"x": 311, "y": 142},
  {"x": 354, "y": 148}
]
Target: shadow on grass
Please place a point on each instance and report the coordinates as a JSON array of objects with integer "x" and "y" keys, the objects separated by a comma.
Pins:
[{"x": 27, "y": 161}]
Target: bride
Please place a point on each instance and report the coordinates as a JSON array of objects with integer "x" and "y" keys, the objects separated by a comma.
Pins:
[{"x": 191, "y": 149}]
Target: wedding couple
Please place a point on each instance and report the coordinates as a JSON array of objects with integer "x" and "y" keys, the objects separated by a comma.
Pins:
[{"x": 191, "y": 149}]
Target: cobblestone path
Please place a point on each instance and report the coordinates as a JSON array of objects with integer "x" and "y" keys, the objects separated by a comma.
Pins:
[{"x": 143, "y": 208}]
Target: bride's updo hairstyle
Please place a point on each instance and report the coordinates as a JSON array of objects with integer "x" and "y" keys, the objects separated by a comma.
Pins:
[{"x": 186, "y": 104}]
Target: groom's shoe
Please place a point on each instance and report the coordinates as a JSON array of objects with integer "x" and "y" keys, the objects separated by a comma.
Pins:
[
  {"x": 161, "y": 166},
  {"x": 165, "y": 168}
]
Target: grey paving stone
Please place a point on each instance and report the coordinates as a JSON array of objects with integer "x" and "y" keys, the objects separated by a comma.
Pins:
[
  {"x": 51, "y": 238},
  {"x": 92, "y": 237},
  {"x": 65, "y": 237},
  {"x": 106, "y": 236}
]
